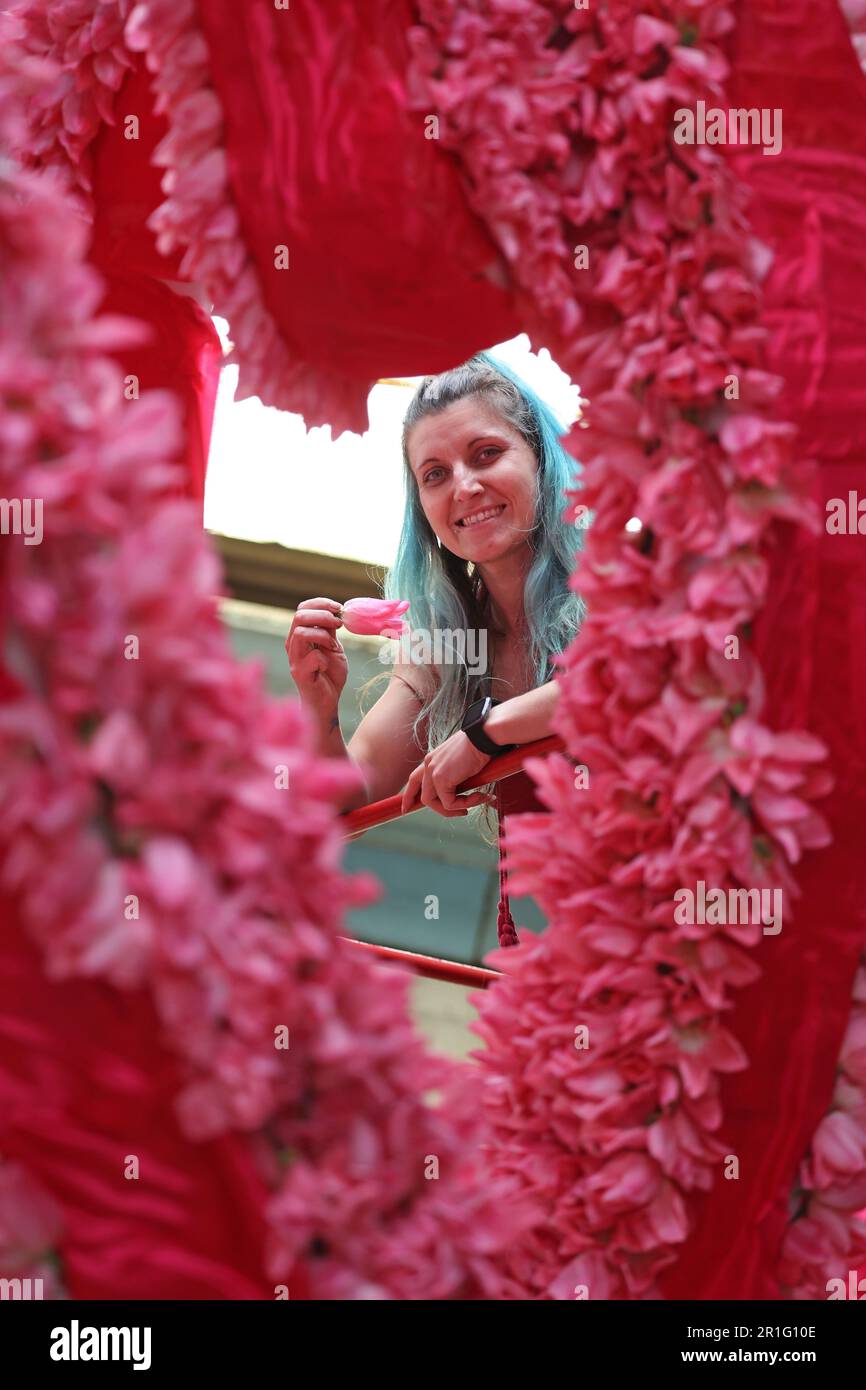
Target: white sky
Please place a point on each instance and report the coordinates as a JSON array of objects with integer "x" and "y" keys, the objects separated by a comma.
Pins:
[{"x": 270, "y": 479}]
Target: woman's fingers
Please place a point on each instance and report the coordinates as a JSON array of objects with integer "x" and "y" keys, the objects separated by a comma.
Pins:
[
  {"x": 461, "y": 805},
  {"x": 429, "y": 794},
  {"x": 315, "y": 616},
  {"x": 445, "y": 795},
  {"x": 421, "y": 790},
  {"x": 459, "y": 809},
  {"x": 314, "y": 627},
  {"x": 416, "y": 804},
  {"x": 315, "y": 620},
  {"x": 330, "y": 603},
  {"x": 448, "y": 797},
  {"x": 477, "y": 799},
  {"x": 440, "y": 797},
  {"x": 411, "y": 790}
]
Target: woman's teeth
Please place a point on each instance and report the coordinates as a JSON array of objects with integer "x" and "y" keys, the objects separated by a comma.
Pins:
[{"x": 477, "y": 517}]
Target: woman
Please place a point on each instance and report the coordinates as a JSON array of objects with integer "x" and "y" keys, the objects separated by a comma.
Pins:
[{"x": 485, "y": 554}]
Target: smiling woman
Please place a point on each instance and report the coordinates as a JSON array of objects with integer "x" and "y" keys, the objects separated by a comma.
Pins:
[
  {"x": 478, "y": 440},
  {"x": 484, "y": 561}
]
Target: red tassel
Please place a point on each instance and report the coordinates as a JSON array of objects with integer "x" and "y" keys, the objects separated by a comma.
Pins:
[{"x": 505, "y": 928}]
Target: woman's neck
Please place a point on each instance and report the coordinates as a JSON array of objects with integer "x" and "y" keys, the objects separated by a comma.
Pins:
[{"x": 506, "y": 589}]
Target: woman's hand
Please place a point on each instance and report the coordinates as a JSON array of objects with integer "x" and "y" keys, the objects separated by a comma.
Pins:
[
  {"x": 433, "y": 781},
  {"x": 317, "y": 661}
]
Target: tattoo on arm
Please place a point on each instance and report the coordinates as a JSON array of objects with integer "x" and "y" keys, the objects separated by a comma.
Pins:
[{"x": 335, "y": 723}]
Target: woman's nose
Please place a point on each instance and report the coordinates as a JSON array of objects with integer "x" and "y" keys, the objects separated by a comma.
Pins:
[{"x": 466, "y": 483}]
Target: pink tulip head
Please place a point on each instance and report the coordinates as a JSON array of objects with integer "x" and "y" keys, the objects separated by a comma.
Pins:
[{"x": 375, "y": 617}]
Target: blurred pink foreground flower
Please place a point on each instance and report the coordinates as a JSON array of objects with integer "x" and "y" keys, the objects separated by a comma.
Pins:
[{"x": 375, "y": 617}]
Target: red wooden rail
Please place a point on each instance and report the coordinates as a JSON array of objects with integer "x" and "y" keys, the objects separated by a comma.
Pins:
[
  {"x": 380, "y": 812},
  {"x": 431, "y": 966}
]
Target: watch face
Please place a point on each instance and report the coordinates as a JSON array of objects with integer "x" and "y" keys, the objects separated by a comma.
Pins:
[{"x": 474, "y": 712}]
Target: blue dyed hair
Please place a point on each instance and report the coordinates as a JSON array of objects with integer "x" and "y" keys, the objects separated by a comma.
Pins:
[{"x": 447, "y": 593}]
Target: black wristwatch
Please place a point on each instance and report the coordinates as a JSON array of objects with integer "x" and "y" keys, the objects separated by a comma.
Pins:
[{"x": 473, "y": 728}]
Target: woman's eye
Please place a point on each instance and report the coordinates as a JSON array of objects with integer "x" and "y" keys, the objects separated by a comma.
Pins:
[
  {"x": 489, "y": 449},
  {"x": 433, "y": 471}
]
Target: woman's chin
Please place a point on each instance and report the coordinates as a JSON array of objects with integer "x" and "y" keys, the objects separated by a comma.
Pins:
[{"x": 485, "y": 552}]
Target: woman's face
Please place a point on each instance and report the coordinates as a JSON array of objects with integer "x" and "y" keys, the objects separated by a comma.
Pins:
[{"x": 476, "y": 480}]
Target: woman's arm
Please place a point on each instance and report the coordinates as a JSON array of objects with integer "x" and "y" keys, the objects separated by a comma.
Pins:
[
  {"x": 523, "y": 718},
  {"x": 383, "y": 746},
  {"x": 385, "y": 749}
]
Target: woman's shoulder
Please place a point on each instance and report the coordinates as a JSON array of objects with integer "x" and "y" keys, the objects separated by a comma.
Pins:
[{"x": 419, "y": 676}]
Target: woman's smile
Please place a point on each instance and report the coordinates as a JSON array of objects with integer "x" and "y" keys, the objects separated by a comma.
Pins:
[{"x": 481, "y": 516}]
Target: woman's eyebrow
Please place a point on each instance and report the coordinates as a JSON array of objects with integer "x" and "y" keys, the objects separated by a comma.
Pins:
[{"x": 476, "y": 440}]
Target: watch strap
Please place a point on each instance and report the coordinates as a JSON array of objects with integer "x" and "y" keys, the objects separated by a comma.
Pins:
[{"x": 479, "y": 739}]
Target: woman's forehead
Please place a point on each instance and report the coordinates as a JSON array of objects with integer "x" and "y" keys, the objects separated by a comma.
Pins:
[{"x": 458, "y": 424}]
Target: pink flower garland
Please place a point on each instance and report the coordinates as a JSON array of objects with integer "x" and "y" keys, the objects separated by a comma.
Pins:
[
  {"x": 855, "y": 15},
  {"x": 31, "y": 1225},
  {"x": 93, "y": 45},
  {"x": 200, "y": 214},
  {"x": 84, "y": 39},
  {"x": 685, "y": 782},
  {"x": 827, "y": 1238},
  {"x": 164, "y": 824}
]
